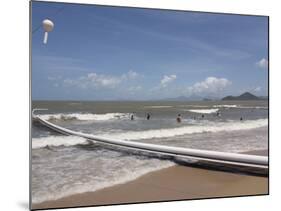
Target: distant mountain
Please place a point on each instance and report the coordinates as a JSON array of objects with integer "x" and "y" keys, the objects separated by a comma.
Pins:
[{"x": 244, "y": 96}]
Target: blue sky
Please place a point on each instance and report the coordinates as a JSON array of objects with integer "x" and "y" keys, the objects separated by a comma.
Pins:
[{"x": 113, "y": 53}]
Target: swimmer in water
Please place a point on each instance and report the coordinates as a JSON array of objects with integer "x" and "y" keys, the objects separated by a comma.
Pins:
[
  {"x": 179, "y": 118},
  {"x": 148, "y": 116}
]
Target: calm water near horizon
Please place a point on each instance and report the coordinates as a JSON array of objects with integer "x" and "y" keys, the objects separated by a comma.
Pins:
[{"x": 66, "y": 165}]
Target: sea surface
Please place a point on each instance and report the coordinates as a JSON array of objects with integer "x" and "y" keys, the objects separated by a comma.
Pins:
[{"x": 67, "y": 165}]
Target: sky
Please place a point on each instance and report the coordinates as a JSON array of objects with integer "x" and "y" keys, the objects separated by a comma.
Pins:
[{"x": 116, "y": 53}]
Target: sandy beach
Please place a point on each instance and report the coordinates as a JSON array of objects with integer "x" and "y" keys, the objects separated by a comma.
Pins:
[{"x": 173, "y": 183}]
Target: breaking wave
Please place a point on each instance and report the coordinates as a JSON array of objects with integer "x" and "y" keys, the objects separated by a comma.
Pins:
[
  {"x": 225, "y": 106},
  {"x": 239, "y": 106},
  {"x": 212, "y": 127},
  {"x": 85, "y": 116},
  {"x": 204, "y": 111},
  {"x": 178, "y": 131},
  {"x": 57, "y": 141}
]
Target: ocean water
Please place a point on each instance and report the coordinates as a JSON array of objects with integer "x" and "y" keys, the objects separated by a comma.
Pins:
[{"x": 66, "y": 165}]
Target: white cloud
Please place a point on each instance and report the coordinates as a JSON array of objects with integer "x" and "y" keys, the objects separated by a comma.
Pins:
[
  {"x": 257, "y": 89},
  {"x": 94, "y": 80},
  {"x": 263, "y": 63},
  {"x": 210, "y": 85},
  {"x": 103, "y": 80},
  {"x": 130, "y": 75},
  {"x": 167, "y": 79}
]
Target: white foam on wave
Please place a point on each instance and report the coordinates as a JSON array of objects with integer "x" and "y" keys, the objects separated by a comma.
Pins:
[
  {"x": 57, "y": 141},
  {"x": 178, "y": 131},
  {"x": 199, "y": 106},
  {"x": 240, "y": 106},
  {"x": 253, "y": 107},
  {"x": 225, "y": 106},
  {"x": 210, "y": 127},
  {"x": 85, "y": 116},
  {"x": 204, "y": 111}
]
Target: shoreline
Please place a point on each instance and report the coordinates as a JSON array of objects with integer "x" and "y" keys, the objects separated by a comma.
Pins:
[{"x": 177, "y": 182}]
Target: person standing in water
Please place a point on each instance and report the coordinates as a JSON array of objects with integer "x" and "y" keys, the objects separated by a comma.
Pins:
[
  {"x": 148, "y": 116},
  {"x": 179, "y": 118},
  {"x": 132, "y": 116}
]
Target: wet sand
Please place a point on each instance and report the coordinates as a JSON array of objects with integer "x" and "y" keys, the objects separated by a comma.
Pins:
[{"x": 174, "y": 183}]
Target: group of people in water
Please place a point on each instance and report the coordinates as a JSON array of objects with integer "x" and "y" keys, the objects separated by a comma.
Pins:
[
  {"x": 147, "y": 116},
  {"x": 179, "y": 118}
]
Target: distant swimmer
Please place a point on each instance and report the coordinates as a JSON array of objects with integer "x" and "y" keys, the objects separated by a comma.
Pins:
[
  {"x": 241, "y": 118},
  {"x": 218, "y": 113},
  {"x": 132, "y": 116},
  {"x": 148, "y": 116},
  {"x": 203, "y": 116},
  {"x": 179, "y": 118}
]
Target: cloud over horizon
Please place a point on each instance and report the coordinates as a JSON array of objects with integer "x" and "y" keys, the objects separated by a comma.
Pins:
[
  {"x": 263, "y": 63},
  {"x": 257, "y": 89},
  {"x": 94, "y": 80},
  {"x": 211, "y": 85},
  {"x": 167, "y": 79}
]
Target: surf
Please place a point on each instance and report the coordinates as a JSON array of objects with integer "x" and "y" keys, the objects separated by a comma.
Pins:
[
  {"x": 85, "y": 116},
  {"x": 210, "y": 127},
  {"x": 205, "y": 127},
  {"x": 204, "y": 111},
  {"x": 57, "y": 141}
]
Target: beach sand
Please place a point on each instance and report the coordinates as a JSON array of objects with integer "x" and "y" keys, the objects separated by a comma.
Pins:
[{"x": 174, "y": 183}]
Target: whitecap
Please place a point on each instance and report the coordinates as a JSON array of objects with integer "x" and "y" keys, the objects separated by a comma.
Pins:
[
  {"x": 204, "y": 111},
  {"x": 85, "y": 116}
]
